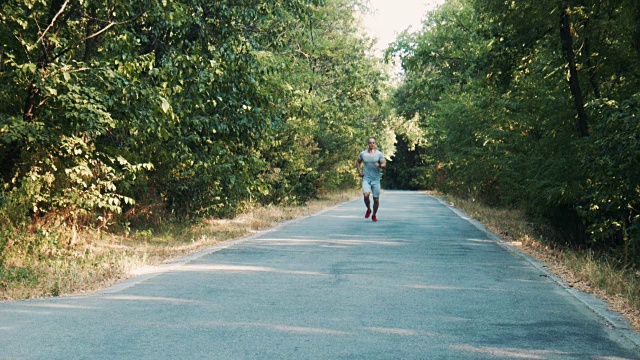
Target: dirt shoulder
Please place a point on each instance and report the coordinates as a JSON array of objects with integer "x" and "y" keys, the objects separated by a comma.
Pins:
[
  {"x": 84, "y": 261},
  {"x": 557, "y": 266}
]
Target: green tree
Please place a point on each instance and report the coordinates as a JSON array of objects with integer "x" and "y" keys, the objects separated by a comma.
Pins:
[
  {"x": 523, "y": 103},
  {"x": 198, "y": 108}
]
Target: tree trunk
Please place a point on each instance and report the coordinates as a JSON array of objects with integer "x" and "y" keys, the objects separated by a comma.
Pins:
[
  {"x": 566, "y": 35},
  {"x": 90, "y": 44}
]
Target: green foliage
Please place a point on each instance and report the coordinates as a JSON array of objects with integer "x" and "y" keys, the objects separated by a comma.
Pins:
[
  {"x": 16, "y": 275},
  {"x": 198, "y": 108},
  {"x": 612, "y": 188},
  {"x": 500, "y": 120}
]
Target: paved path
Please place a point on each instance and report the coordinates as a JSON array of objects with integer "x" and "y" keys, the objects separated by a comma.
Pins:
[{"x": 422, "y": 283}]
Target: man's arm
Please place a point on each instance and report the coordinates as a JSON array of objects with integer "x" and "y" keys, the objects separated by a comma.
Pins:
[
  {"x": 358, "y": 163},
  {"x": 382, "y": 162}
]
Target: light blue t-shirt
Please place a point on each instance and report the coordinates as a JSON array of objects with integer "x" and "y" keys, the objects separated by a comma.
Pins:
[{"x": 371, "y": 172}]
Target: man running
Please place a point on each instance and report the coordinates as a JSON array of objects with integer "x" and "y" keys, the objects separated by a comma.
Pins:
[{"x": 373, "y": 160}]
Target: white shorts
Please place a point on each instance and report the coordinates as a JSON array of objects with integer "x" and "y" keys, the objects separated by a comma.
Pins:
[{"x": 371, "y": 187}]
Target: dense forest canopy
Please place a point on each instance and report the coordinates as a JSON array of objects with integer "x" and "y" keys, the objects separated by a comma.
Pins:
[
  {"x": 529, "y": 104},
  {"x": 198, "y": 107},
  {"x": 203, "y": 108}
]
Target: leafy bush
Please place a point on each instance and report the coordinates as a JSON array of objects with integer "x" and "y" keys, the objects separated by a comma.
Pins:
[
  {"x": 501, "y": 89},
  {"x": 611, "y": 205},
  {"x": 193, "y": 109}
]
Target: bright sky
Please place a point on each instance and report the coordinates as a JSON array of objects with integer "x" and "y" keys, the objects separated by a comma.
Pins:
[{"x": 393, "y": 16}]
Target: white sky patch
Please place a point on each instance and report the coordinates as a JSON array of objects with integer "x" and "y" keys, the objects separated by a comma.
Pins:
[{"x": 391, "y": 17}]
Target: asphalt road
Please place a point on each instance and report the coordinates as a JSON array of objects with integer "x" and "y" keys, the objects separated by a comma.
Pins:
[{"x": 422, "y": 283}]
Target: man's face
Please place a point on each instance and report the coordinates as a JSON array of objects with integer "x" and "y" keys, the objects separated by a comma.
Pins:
[{"x": 372, "y": 144}]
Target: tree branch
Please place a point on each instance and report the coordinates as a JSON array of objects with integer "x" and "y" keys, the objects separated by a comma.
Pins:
[
  {"x": 112, "y": 23},
  {"x": 101, "y": 31},
  {"x": 53, "y": 20}
]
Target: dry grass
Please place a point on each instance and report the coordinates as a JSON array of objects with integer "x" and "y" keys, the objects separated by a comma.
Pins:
[
  {"x": 92, "y": 260},
  {"x": 583, "y": 270}
]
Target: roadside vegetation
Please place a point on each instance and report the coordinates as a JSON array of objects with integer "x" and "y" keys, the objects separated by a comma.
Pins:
[
  {"x": 122, "y": 120},
  {"x": 533, "y": 107},
  {"x": 98, "y": 259}
]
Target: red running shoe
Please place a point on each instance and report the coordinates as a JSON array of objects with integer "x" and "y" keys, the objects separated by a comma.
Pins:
[
  {"x": 366, "y": 216},
  {"x": 374, "y": 218}
]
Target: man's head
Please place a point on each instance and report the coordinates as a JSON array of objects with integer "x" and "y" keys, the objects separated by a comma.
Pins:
[{"x": 371, "y": 143}]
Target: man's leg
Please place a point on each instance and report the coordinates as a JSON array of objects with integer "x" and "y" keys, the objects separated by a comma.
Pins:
[
  {"x": 375, "y": 190},
  {"x": 368, "y": 204},
  {"x": 366, "y": 191}
]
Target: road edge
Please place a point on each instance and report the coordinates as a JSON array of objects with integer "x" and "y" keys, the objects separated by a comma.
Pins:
[
  {"x": 598, "y": 306},
  {"x": 148, "y": 272}
]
